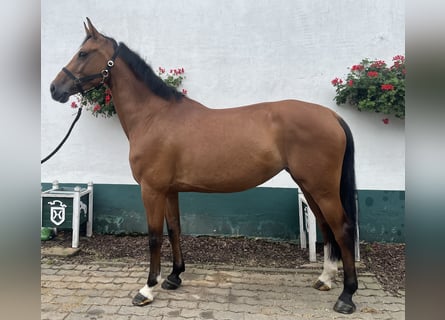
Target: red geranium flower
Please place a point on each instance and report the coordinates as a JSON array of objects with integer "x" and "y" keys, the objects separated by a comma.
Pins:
[
  {"x": 398, "y": 58},
  {"x": 336, "y": 81},
  {"x": 373, "y": 74},
  {"x": 387, "y": 87},
  {"x": 73, "y": 105},
  {"x": 107, "y": 98},
  {"x": 378, "y": 64},
  {"x": 96, "y": 108},
  {"x": 350, "y": 83},
  {"x": 357, "y": 67},
  {"x": 385, "y": 120}
]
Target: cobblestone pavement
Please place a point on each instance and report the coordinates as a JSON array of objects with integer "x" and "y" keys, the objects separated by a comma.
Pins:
[{"x": 104, "y": 291}]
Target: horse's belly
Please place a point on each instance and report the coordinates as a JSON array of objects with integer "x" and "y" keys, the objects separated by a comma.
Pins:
[{"x": 230, "y": 171}]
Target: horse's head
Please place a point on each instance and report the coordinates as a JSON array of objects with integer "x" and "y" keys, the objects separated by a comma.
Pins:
[{"x": 89, "y": 67}]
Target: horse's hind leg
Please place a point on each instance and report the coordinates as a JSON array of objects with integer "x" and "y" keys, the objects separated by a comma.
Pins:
[
  {"x": 343, "y": 232},
  {"x": 174, "y": 231},
  {"x": 331, "y": 251}
]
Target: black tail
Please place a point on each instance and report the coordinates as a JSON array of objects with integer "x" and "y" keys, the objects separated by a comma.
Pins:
[
  {"x": 347, "y": 195},
  {"x": 347, "y": 183}
]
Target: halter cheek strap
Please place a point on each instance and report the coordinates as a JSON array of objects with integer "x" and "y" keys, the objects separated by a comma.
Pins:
[{"x": 104, "y": 74}]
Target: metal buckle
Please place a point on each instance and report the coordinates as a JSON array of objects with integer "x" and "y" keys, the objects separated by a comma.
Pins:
[
  {"x": 110, "y": 63},
  {"x": 105, "y": 73}
]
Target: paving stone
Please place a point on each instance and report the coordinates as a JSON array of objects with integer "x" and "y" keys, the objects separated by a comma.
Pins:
[
  {"x": 133, "y": 310},
  {"x": 48, "y": 271},
  {"x": 103, "y": 309},
  {"x": 95, "y": 300},
  {"x": 179, "y": 304},
  {"x": 53, "y": 315},
  {"x": 213, "y": 306},
  {"x": 62, "y": 292},
  {"x": 50, "y": 277}
]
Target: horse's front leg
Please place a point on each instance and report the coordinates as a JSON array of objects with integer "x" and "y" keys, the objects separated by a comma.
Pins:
[
  {"x": 174, "y": 232},
  {"x": 155, "y": 205}
]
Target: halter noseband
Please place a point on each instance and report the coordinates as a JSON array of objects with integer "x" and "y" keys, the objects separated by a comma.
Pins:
[{"x": 104, "y": 74}]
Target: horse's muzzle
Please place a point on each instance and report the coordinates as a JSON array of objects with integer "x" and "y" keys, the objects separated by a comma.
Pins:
[{"x": 59, "y": 95}]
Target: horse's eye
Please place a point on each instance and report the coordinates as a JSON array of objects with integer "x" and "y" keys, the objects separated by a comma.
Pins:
[{"x": 82, "y": 54}]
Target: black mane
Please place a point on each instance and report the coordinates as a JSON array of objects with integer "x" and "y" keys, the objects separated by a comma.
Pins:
[{"x": 145, "y": 73}]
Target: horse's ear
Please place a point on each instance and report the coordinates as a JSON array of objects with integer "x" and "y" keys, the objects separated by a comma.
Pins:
[
  {"x": 91, "y": 29},
  {"x": 86, "y": 29}
]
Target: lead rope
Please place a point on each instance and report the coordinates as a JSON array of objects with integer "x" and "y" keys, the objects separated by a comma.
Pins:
[{"x": 79, "y": 112}]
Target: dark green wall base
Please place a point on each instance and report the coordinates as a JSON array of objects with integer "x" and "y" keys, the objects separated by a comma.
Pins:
[
  {"x": 259, "y": 212},
  {"x": 382, "y": 215}
]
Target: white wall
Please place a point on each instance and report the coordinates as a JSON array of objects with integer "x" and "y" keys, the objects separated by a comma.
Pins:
[{"x": 234, "y": 53}]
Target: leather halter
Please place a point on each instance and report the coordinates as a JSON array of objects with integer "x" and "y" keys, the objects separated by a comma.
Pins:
[{"x": 104, "y": 74}]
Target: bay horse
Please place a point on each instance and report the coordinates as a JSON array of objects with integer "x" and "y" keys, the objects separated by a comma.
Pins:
[{"x": 179, "y": 145}]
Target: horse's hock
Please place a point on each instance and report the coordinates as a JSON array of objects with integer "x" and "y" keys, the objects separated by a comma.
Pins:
[{"x": 68, "y": 208}]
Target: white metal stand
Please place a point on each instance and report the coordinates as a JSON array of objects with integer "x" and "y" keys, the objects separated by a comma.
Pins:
[
  {"x": 307, "y": 226},
  {"x": 78, "y": 206}
]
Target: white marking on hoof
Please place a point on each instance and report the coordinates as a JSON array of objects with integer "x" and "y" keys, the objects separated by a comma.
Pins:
[
  {"x": 147, "y": 291},
  {"x": 330, "y": 268}
]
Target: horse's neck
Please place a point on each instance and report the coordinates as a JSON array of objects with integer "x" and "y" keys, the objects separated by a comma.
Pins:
[{"x": 133, "y": 100}]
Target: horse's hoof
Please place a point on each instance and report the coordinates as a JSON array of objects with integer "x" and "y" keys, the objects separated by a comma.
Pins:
[
  {"x": 343, "y": 307},
  {"x": 320, "y": 285},
  {"x": 170, "y": 284},
  {"x": 141, "y": 300}
]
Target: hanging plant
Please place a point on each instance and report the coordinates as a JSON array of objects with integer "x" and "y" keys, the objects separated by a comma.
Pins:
[{"x": 372, "y": 85}]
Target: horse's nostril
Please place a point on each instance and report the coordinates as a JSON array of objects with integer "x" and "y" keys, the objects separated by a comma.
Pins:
[{"x": 52, "y": 88}]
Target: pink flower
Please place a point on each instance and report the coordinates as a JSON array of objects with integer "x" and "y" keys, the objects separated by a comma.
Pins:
[
  {"x": 336, "y": 82},
  {"x": 357, "y": 67},
  {"x": 73, "y": 105},
  {"x": 350, "y": 83},
  {"x": 184, "y": 91},
  {"x": 385, "y": 120},
  {"x": 387, "y": 87},
  {"x": 96, "y": 108},
  {"x": 399, "y": 58},
  {"x": 373, "y": 74},
  {"x": 378, "y": 64}
]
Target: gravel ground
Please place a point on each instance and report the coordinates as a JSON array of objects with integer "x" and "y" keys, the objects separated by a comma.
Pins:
[{"x": 386, "y": 261}]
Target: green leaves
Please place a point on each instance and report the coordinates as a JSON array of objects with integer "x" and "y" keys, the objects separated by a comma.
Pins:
[{"x": 99, "y": 101}]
